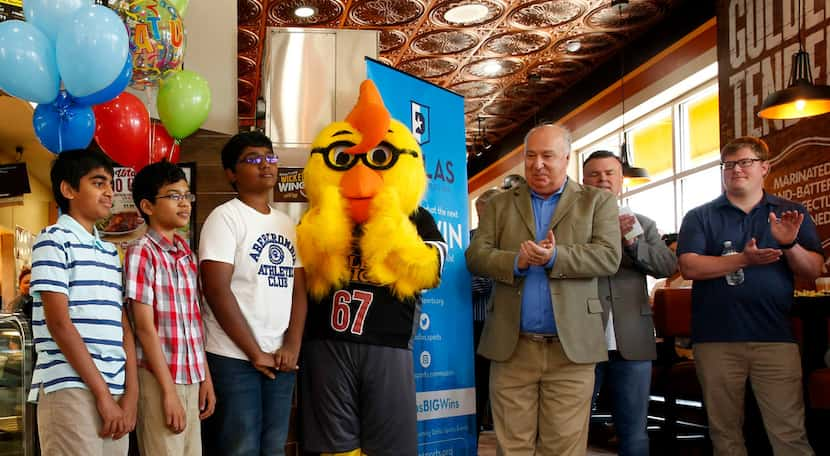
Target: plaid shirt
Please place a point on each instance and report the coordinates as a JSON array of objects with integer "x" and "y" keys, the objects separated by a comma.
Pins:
[{"x": 163, "y": 274}]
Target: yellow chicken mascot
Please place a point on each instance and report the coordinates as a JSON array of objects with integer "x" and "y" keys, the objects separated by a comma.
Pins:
[{"x": 368, "y": 250}]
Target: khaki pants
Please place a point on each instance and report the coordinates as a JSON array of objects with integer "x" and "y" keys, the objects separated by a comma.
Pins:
[
  {"x": 541, "y": 401},
  {"x": 68, "y": 424},
  {"x": 774, "y": 370},
  {"x": 154, "y": 437}
]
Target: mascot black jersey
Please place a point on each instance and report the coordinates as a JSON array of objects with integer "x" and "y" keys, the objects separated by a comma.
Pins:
[{"x": 367, "y": 312}]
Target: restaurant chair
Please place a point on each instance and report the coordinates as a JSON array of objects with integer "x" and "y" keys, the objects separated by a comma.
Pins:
[{"x": 674, "y": 378}]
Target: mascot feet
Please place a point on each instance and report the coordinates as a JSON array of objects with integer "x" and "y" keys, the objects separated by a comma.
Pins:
[{"x": 356, "y": 452}]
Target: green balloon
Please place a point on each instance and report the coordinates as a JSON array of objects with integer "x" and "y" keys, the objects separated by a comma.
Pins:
[
  {"x": 183, "y": 103},
  {"x": 181, "y": 5}
]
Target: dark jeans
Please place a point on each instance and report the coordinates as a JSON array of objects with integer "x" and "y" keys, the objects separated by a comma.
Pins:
[
  {"x": 252, "y": 411},
  {"x": 629, "y": 383},
  {"x": 482, "y": 382}
]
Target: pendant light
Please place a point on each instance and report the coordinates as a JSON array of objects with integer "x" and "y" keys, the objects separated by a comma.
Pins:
[
  {"x": 480, "y": 142},
  {"x": 632, "y": 175},
  {"x": 801, "y": 98}
]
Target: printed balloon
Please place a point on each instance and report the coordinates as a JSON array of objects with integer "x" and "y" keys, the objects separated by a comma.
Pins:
[{"x": 156, "y": 38}]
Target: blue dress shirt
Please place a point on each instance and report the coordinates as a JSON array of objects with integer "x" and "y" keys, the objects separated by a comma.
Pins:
[{"x": 537, "y": 306}]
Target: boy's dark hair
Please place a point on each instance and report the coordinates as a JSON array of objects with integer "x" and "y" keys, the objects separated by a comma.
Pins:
[
  {"x": 601, "y": 154},
  {"x": 151, "y": 178},
  {"x": 23, "y": 273},
  {"x": 669, "y": 238},
  {"x": 236, "y": 145},
  {"x": 71, "y": 166}
]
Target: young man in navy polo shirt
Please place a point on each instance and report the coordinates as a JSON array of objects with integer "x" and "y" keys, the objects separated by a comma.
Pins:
[{"x": 742, "y": 331}]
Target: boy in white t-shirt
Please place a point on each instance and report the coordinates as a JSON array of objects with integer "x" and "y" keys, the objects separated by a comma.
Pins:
[{"x": 254, "y": 284}]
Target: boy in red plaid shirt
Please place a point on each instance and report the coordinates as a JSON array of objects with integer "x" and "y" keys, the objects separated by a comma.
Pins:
[{"x": 160, "y": 284}]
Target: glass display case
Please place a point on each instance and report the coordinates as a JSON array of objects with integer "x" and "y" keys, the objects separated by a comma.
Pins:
[{"x": 17, "y": 416}]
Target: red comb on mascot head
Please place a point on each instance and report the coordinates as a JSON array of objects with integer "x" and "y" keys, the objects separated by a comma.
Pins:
[{"x": 368, "y": 250}]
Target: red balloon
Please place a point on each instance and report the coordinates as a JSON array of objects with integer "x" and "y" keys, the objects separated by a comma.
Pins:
[
  {"x": 164, "y": 146},
  {"x": 122, "y": 130}
]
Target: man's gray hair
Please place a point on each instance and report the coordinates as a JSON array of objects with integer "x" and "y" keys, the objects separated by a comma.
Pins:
[{"x": 566, "y": 136}]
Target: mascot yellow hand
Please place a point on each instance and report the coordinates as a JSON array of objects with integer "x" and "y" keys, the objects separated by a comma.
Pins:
[{"x": 394, "y": 253}]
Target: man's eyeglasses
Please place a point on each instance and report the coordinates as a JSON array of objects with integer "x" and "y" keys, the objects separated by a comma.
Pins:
[
  {"x": 257, "y": 159},
  {"x": 179, "y": 197},
  {"x": 744, "y": 163},
  {"x": 383, "y": 156}
]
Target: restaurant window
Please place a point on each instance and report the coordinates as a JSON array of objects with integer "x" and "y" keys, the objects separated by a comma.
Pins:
[
  {"x": 701, "y": 132},
  {"x": 656, "y": 203},
  {"x": 678, "y": 143},
  {"x": 650, "y": 144}
]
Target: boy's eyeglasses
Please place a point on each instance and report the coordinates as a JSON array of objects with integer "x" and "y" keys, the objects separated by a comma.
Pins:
[
  {"x": 744, "y": 163},
  {"x": 179, "y": 197},
  {"x": 257, "y": 159}
]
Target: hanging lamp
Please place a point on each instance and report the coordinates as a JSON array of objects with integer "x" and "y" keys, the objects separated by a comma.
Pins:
[
  {"x": 632, "y": 174},
  {"x": 801, "y": 98}
]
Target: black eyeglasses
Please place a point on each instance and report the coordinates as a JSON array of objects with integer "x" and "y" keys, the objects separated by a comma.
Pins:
[
  {"x": 383, "y": 156},
  {"x": 179, "y": 197},
  {"x": 257, "y": 159},
  {"x": 744, "y": 163}
]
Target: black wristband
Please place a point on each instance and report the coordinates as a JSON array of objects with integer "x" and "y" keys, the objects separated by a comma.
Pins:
[{"x": 790, "y": 245}]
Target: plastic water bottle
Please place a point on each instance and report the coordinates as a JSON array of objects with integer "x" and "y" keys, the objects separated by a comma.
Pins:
[{"x": 737, "y": 277}]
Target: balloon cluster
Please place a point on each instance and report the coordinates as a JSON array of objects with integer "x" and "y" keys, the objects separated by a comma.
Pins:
[{"x": 75, "y": 59}]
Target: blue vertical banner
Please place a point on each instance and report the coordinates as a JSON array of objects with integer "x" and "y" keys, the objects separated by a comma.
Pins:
[{"x": 443, "y": 346}]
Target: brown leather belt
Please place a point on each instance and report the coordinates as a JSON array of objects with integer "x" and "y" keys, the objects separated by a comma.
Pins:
[{"x": 541, "y": 338}]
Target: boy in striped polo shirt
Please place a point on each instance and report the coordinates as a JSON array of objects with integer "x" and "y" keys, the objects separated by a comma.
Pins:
[
  {"x": 160, "y": 284},
  {"x": 85, "y": 380}
]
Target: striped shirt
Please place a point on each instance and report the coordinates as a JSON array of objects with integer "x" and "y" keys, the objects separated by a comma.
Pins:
[
  {"x": 68, "y": 259},
  {"x": 163, "y": 274}
]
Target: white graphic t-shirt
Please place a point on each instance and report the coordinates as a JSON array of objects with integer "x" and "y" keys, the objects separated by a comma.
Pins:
[{"x": 262, "y": 250}]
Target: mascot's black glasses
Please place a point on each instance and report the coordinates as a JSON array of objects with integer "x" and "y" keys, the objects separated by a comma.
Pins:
[{"x": 383, "y": 156}]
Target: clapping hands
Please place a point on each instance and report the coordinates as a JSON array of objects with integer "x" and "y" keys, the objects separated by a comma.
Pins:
[{"x": 533, "y": 253}]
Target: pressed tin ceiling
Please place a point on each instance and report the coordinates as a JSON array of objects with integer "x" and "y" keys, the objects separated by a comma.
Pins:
[{"x": 510, "y": 60}]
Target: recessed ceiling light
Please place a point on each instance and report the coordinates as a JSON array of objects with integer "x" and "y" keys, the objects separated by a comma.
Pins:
[
  {"x": 491, "y": 67},
  {"x": 305, "y": 11},
  {"x": 465, "y": 14},
  {"x": 573, "y": 45}
]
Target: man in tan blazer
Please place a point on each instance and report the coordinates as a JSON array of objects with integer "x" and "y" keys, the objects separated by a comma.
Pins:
[
  {"x": 544, "y": 244},
  {"x": 629, "y": 329}
]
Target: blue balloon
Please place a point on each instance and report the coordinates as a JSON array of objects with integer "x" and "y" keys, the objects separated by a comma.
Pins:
[
  {"x": 28, "y": 68},
  {"x": 49, "y": 15},
  {"x": 64, "y": 125},
  {"x": 91, "y": 49},
  {"x": 114, "y": 89}
]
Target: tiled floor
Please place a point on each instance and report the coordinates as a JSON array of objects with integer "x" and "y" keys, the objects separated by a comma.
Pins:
[{"x": 487, "y": 446}]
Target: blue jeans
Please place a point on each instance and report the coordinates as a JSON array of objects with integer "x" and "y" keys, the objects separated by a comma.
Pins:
[
  {"x": 629, "y": 383},
  {"x": 252, "y": 411}
]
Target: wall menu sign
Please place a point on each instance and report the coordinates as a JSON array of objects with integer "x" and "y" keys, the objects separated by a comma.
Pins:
[
  {"x": 290, "y": 186},
  {"x": 800, "y": 170},
  {"x": 756, "y": 42}
]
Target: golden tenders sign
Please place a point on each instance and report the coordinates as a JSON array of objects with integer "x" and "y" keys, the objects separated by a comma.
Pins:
[{"x": 756, "y": 42}]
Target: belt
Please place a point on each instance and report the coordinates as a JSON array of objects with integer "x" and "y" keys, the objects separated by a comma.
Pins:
[{"x": 541, "y": 338}]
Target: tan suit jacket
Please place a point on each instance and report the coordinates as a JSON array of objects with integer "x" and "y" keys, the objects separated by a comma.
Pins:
[{"x": 587, "y": 233}]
